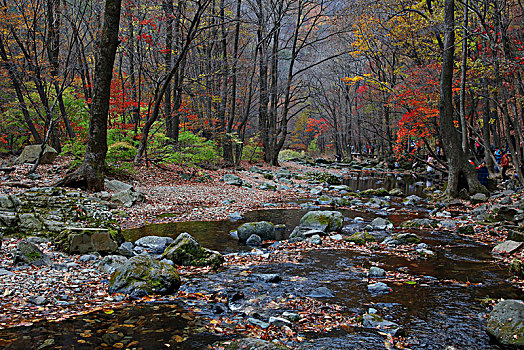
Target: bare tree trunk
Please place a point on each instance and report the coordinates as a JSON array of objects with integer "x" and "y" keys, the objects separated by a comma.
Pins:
[
  {"x": 463, "y": 81},
  {"x": 457, "y": 160},
  {"x": 91, "y": 173}
]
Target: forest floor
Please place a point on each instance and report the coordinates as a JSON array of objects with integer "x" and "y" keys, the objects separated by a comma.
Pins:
[{"x": 184, "y": 193}]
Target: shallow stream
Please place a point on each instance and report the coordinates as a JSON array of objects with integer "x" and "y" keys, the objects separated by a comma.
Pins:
[{"x": 434, "y": 314}]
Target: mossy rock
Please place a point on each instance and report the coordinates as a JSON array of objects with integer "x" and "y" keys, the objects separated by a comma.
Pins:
[
  {"x": 185, "y": 250},
  {"x": 143, "y": 275},
  {"x": 263, "y": 229},
  {"x": 379, "y": 192},
  {"x": 28, "y": 253},
  {"x": 418, "y": 223},
  {"x": 326, "y": 221},
  {"x": 250, "y": 344},
  {"x": 506, "y": 323},
  {"x": 361, "y": 238}
]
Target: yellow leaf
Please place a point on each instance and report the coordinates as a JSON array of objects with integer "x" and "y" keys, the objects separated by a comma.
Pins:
[
  {"x": 118, "y": 345},
  {"x": 109, "y": 311}
]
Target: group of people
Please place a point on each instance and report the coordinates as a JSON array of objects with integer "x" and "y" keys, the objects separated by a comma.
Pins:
[{"x": 503, "y": 161}]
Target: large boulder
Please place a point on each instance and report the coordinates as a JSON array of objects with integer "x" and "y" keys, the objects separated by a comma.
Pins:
[
  {"x": 117, "y": 186},
  {"x": 31, "y": 152},
  {"x": 81, "y": 240},
  {"x": 128, "y": 198},
  {"x": 506, "y": 323},
  {"x": 185, "y": 250},
  {"x": 155, "y": 244},
  {"x": 507, "y": 247},
  {"x": 28, "y": 253},
  {"x": 326, "y": 221},
  {"x": 380, "y": 224},
  {"x": 231, "y": 179},
  {"x": 143, "y": 275},
  {"x": 263, "y": 229}
]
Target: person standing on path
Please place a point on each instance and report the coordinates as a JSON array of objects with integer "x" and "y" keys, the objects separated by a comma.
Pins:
[{"x": 504, "y": 164}]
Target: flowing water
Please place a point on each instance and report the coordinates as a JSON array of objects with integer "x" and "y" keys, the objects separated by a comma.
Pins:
[{"x": 434, "y": 314}]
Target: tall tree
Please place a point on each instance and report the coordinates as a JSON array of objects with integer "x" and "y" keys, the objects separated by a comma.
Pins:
[
  {"x": 91, "y": 173},
  {"x": 458, "y": 164}
]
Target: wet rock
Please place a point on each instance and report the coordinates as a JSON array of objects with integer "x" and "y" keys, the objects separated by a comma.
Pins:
[
  {"x": 268, "y": 277},
  {"x": 324, "y": 200},
  {"x": 126, "y": 249},
  {"x": 340, "y": 188},
  {"x": 279, "y": 321},
  {"x": 111, "y": 262},
  {"x": 291, "y": 316},
  {"x": 231, "y": 179},
  {"x": 28, "y": 253},
  {"x": 326, "y": 221},
  {"x": 235, "y": 216},
  {"x": 185, "y": 250},
  {"x": 154, "y": 244},
  {"x": 417, "y": 223},
  {"x": 403, "y": 238},
  {"x": 254, "y": 241},
  {"x": 425, "y": 252},
  {"x": 143, "y": 275},
  {"x": 321, "y": 292},
  {"x": 380, "y": 192},
  {"x": 508, "y": 247},
  {"x": 506, "y": 323},
  {"x": 372, "y": 320},
  {"x": 381, "y": 224},
  {"x": 258, "y": 323},
  {"x": 361, "y": 238},
  {"x": 478, "y": 198},
  {"x": 378, "y": 288},
  {"x": 315, "y": 239},
  {"x": 376, "y": 272},
  {"x": 30, "y": 155},
  {"x": 264, "y": 229}
]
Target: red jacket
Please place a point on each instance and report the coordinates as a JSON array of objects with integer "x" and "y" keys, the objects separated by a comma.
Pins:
[{"x": 504, "y": 161}]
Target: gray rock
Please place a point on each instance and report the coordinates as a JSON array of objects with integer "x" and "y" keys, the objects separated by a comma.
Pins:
[
  {"x": 254, "y": 240},
  {"x": 28, "y": 253},
  {"x": 268, "y": 277},
  {"x": 283, "y": 173},
  {"x": 255, "y": 344},
  {"x": 372, "y": 320},
  {"x": 258, "y": 323},
  {"x": 515, "y": 236},
  {"x": 128, "y": 198},
  {"x": 448, "y": 224},
  {"x": 5, "y": 202},
  {"x": 142, "y": 275},
  {"x": 315, "y": 239},
  {"x": 231, "y": 179},
  {"x": 321, "y": 292},
  {"x": 378, "y": 288},
  {"x": 30, "y": 222},
  {"x": 235, "y": 216},
  {"x": 324, "y": 200},
  {"x": 481, "y": 209},
  {"x": 381, "y": 224},
  {"x": 126, "y": 249},
  {"x": 80, "y": 240},
  {"x": 397, "y": 192},
  {"x": 478, "y": 198},
  {"x": 326, "y": 221},
  {"x": 155, "y": 244},
  {"x": 425, "y": 252},
  {"x": 37, "y": 300},
  {"x": 506, "y": 323},
  {"x": 279, "y": 321},
  {"x": 117, "y": 186},
  {"x": 111, "y": 262},
  {"x": 185, "y": 250},
  {"x": 88, "y": 257},
  {"x": 293, "y": 317},
  {"x": 508, "y": 247},
  {"x": 30, "y": 155},
  {"x": 376, "y": 272},
  {"x": 264, "y": 229},
  {"x": 403, "y": 238}
]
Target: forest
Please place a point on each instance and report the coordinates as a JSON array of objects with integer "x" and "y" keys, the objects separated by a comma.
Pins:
[
  {"x": 250, "y": 79},
  {"x": 261, "y": 174}
]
